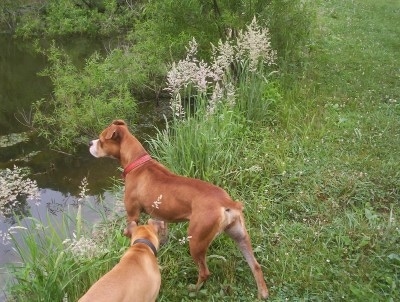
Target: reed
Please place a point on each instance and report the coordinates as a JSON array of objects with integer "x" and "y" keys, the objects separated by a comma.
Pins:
[{"x": 61, "y": 258}]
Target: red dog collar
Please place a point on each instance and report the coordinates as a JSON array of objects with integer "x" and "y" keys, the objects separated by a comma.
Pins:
[{"x": 135, "y": 164}]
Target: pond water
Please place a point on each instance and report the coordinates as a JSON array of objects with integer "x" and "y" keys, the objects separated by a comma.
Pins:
[{"x": 58, "y": 175}]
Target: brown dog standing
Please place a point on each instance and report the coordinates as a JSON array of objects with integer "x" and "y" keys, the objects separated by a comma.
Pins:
[
  {"x": 137, "y": 276},
  {"x": 151, "y": 187}
]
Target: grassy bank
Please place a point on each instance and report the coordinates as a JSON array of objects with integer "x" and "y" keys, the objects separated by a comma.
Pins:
[
  {"x": 323, "y": 203},
  {"x": 319, "y": 178}
]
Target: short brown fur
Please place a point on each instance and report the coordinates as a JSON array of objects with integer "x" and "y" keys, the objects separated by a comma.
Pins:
[{"x": 137, "y": 276}]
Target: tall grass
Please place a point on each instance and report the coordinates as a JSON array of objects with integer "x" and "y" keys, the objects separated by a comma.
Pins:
[
  {"x": 215, "y": 103},
  {"x": 190, "y": 147},
  {"x": 60, "y": 259}
]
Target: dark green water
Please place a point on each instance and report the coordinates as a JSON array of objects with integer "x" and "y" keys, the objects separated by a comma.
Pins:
[
  {"x": 57, "y": 175},
  {"x": 20, "y": 86}
]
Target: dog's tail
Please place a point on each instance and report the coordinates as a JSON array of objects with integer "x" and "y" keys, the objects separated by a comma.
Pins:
[{"x": 231, "y": 214}]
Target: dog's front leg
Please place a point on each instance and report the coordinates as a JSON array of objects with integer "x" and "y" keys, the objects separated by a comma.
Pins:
[{"x": 132, "y": 212}]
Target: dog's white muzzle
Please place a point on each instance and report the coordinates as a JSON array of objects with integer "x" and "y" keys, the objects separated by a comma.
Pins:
[{"x": 93, "y": 147}]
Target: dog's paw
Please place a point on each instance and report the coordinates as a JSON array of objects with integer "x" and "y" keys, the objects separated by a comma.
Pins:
[{"x": 192, "y": 288}]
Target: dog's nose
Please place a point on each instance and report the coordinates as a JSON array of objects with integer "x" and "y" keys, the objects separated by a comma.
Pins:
[{"x": 90, "y": 143}]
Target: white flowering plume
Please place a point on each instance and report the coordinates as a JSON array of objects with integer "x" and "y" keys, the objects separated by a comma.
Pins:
[
  {"x": 251, "y": 49},
  {"x": 189, "y": 71},
  {"x": 83, "y": 190},
  {"x": 15, "y": 185},
  {"x": 84, "y": 248},
  {"x": 255, "y": 45},
  {"x": 223, "y": 56}
]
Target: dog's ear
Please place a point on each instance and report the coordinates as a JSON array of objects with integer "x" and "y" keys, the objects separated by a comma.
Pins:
[
  {"x": 160, "y": 228},
  {"x": 112, "y": 132},
  {"x": 130, "y": 228},
  {"x": 119, "y": 123},
  {"x": 158, "y": 225}
]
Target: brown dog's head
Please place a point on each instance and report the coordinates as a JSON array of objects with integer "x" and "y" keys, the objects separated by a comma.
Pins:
[
  {"x": 109, "y": 140},
  {"x": 154, "y": 230}
]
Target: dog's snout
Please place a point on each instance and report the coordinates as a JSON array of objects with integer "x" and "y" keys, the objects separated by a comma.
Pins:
[{"x": 93, "y": 148}]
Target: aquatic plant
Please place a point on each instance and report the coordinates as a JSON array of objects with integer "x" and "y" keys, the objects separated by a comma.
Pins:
[
  {"x": 13, "y": 139},
  {"x": 15, "y": 188}
]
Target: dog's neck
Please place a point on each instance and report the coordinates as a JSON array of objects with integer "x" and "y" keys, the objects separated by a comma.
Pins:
[
  {"x": 146, "y": 242},
  {"x": 134, "y": 149},
  {"x": 138, "y": 162}
]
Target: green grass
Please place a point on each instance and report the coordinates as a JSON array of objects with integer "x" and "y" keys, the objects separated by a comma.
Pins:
[
  {"x": 323, "y": 209},
  {"x": 51, "y": 267}
]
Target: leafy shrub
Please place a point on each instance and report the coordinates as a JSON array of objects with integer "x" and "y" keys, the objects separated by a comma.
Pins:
[
  {"x": 83, "y": 101},
  {"x": 66, "y": 17},
  {"x": 158, "y": 30}
]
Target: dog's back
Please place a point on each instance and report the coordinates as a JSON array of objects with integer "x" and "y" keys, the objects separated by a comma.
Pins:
[{"x": 135, "y": 278}]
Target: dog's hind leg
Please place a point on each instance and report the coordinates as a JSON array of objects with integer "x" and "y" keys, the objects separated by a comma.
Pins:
[
  {"x": 201, "y": 233},
  {"x": 237, "y": 231}
]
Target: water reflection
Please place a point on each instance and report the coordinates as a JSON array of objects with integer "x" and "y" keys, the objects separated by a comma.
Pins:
[{"x": 52, "y": 205}]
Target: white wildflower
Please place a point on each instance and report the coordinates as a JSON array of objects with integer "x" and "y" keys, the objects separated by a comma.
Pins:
[
  {"x": 83, "y": 193},
  {"x": 203, "y": 72},
  {"x": 187, "y": 72},
  {"x": 255, "y": 168},
  {"x": 176, "y": 106},
  {"x": 84, "y": 248},
  {"x": 156, "y": 203},
  {"x": 223, "y": 56},
  {"x": 5, "y": 237},
  {"x": 184, "y": 240}
]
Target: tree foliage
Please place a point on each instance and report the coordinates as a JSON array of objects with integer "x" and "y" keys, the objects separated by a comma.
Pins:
[
  {"x": 150, "y": 35},
  {"x": 83, "y": 100}
]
